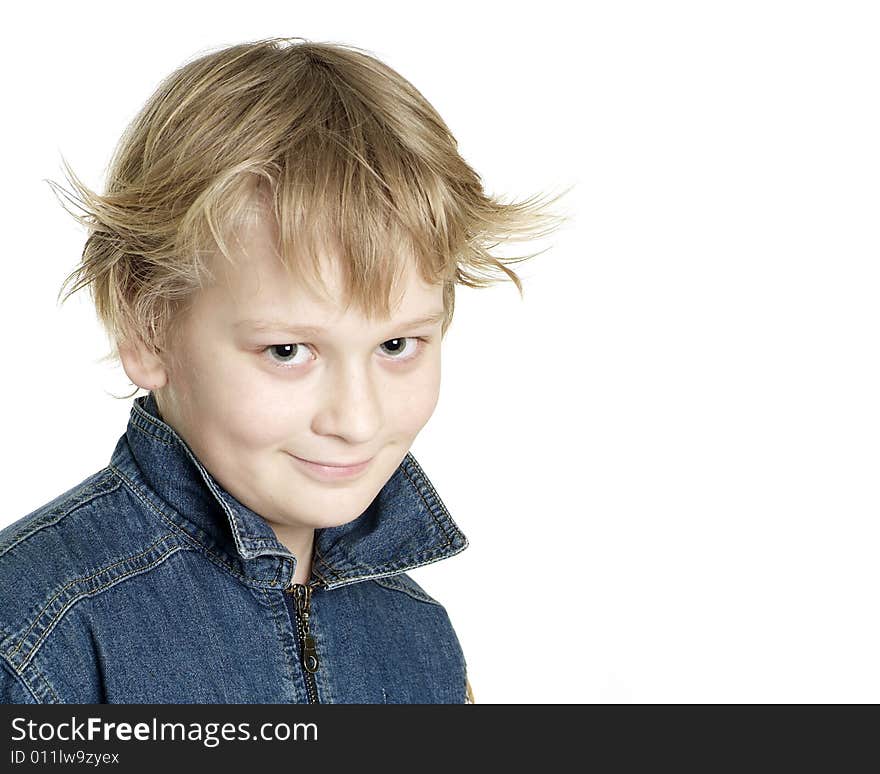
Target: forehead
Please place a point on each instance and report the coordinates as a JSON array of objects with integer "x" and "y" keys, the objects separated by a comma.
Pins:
[{"x": 257, "y": 285}]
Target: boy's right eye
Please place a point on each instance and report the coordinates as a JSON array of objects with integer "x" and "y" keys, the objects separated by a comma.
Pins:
[{"x": 283, "y": 355}]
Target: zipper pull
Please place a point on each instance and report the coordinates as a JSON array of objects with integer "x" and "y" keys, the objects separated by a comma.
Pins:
[
  {"x": 303, "y": 606},
  {"x": 310, "y": 655}
]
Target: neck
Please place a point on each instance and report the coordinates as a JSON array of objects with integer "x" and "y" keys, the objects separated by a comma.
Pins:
[{"x": 300, "y": 542}]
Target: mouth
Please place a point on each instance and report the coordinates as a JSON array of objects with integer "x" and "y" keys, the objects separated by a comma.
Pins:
[
  {"x": 336, "y": 464},
  {"x": 332, "y": 471}
]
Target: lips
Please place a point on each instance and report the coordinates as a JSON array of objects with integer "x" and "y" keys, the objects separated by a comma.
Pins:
[
  {"x": 336, "y": 464},
  {"x": 334, "y": 472}
]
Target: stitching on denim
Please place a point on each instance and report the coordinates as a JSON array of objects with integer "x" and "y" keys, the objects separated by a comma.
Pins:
[
  {"x": 45, "y": 681},
  {"x": 146, "y": 416},
  {"x": 80, "y": 580},
  {"x": 255, "y": 542},
  {"x": 19, "y": 673},
  {"x": 7, "y": 635},
  {"x": 340, "y": 574},
  {"x": 447, "y": 517},
  {"x": 95, "y": 592},
  {"x": 247, "y": 539},
  {"x": 418, "y": 489},
  {"x": 182, "y": 533},
  {"x": 358, "y": 578},
  {"x": 430, "y": 556},
  {"x": 319, "y": 575},
  {"x": 392, "y": 568},
  {"x": 27, "y": 683},
  {"x": 78, "y": 499},
  {"x": 327, "y": 564},
  {"x": 163, "y": 440},
  {"x": 355, "y": 566},
  {"x": 18, "y": 677}
]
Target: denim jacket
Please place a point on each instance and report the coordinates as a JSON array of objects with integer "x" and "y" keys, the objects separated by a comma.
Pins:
[{"x": 149, "y": 583}]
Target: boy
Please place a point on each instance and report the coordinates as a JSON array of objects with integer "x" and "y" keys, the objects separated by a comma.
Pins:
[{"x": 274, "y": 260}]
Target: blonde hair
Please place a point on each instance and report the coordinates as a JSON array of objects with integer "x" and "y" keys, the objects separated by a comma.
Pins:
[{"x": 347, "y": 150}]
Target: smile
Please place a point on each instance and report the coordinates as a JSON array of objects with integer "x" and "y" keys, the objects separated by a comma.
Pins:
[{"x": 331, "y": 472}]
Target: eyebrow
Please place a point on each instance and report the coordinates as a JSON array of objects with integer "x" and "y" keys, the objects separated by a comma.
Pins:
[{"x": 312, "y": 330}]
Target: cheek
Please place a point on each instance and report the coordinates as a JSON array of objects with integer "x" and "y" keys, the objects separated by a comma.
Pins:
[
  {"x": 416, "y": 400},
  {"x": 242, "y": 409},
  {"x": 257, "y": 421}
]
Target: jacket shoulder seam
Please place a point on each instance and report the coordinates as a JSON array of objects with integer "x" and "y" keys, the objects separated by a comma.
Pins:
[
  {"x": 78, "y": 498},
  {"x": 20, "y": 676},
  {"x": 65, "y": 597}
]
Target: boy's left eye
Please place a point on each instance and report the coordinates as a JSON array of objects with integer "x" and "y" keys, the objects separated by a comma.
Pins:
[
  {"x": 283, "y": 355},
  {"x": 400, "y": 346}
]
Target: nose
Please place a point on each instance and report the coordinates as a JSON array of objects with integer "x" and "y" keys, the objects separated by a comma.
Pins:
[{"x": 351, "y": 406}]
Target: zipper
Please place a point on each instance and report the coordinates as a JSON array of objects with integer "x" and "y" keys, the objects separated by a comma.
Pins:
[{"x": 299, "y": 596}]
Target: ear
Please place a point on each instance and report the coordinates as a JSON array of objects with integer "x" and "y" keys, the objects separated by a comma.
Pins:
[{"x": 142, "y": 365}]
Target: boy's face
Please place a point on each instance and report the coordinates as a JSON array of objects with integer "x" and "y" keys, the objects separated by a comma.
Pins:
[{"x": 247, "y": 401}]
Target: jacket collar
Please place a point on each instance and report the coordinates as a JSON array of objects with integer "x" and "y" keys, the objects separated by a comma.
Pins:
[{"x": 406, "y": 525}]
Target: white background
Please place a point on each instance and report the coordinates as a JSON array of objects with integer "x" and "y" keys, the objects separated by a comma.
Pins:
[{"x": 666, "y": 456}]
